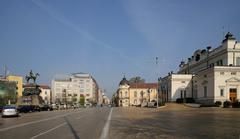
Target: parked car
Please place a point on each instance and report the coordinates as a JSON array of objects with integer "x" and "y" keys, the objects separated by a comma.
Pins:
[
  {"x": 1, "y": 107},
  {"x": 24, "y": 108},
  {"x": 54, "y": 106},
  {"x": 46, "y": 107},
  {"x": 9, "y": 111}
]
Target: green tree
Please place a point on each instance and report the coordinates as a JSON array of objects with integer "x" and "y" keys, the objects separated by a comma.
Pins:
[
  {"x": 136, "y": 79},
  {"x": 82, "y": 100}
]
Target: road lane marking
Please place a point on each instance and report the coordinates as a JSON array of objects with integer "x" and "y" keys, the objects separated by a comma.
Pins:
[
  {"x": 33, "y": 122},
  {"x": 48, "y": 130},
  {"x": 104, "y": 134}
]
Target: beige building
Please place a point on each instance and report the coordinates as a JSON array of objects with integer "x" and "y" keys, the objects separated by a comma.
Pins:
[
  {"x": 19, "y": 82},
  {"x": 136, "y": 94},
  {"x": 69, "y": 88},
  {"x": 208, "y": 76},
  {"x": 45, "y": 93}
]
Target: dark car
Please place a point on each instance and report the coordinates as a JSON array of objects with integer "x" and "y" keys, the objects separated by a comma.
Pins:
[
  {"x": 28, "y": 108},
  {"x": 46, "y": 108}
]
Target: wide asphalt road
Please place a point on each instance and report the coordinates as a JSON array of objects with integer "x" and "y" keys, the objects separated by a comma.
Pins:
[
  {"x": 89, "y": 123},
  {"x": 173, "y": 121}
]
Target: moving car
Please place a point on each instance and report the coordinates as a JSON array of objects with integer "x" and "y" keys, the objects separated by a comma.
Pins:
[{"x": 9, "y": 111}]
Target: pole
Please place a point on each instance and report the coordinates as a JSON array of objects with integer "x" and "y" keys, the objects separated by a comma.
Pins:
[{"x": 157, "y": 78}]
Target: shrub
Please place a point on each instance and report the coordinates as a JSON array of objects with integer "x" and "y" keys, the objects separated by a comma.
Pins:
[
  {"x": 226, "y": 104},
  {"x": 189, "y": 100},
  {"x": 218, "y": 103},
  {"x": 236, "y": 104},
  {"x": 179, "y": 100}
]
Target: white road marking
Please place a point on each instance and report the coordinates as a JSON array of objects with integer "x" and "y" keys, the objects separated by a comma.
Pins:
[
  {"x": 33, "y": 122},
  {"x": 104, "y": 134},
  {"x": 48, "y": 130}
]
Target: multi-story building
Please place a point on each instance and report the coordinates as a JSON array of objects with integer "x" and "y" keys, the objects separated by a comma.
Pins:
[
  {"x": 135, "y": 94},
  {"x": 208, "y": 76},
  {"x": 45, "y": 93},
  {"x": 8, "y": 92},
  {"x": 70, "y": 88},
  {"x": 19, "y": 82}
]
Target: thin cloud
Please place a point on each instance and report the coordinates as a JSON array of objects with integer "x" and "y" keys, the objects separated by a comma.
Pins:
[{"x": 82, "y": 32}]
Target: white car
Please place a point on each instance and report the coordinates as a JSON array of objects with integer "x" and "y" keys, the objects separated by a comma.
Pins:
[{"x": 8, "y": 111}]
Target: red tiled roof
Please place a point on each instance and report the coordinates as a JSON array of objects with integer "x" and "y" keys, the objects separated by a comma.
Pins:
[{"x": 143, "y": 85}]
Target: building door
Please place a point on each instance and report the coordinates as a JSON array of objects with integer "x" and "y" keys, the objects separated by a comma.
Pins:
[{"x": 233, "y": 94}]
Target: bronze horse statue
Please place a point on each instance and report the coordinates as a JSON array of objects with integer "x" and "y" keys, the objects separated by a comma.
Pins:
[{"x": 32, "y": 76}]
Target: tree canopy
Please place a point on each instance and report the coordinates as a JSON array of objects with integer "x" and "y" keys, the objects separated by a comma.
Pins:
[{"x": 136, "y": 79}]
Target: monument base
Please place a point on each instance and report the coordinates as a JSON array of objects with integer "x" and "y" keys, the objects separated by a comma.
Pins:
[{"x": 30, "y": 100}]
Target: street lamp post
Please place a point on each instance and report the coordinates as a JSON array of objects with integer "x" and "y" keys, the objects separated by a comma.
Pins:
[{"x": 157, "y": 78}]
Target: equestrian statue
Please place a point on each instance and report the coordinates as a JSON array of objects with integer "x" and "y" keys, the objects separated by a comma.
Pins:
[{"x": 32, "y": 76}]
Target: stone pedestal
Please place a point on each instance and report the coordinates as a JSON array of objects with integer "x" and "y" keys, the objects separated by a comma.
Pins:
[{"x": 30, "y": 95}]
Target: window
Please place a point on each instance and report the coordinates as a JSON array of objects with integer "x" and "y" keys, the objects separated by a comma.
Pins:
[
  {"x": 45, "y": 92},
  {"x": 221, "y": 73},
  {"x": 135, "y": 94},
  {"x": 197, "y": 58},
  {"x": 183, "y": 82},
  {"x": 205, "y": 91},
  {"x": 126, "y": 94},
  {"x": 233, "y": 73},
  {"x": 181, "y": 93},
  {"x": 185, "y": 94},
  {"x": 238, "y": 61},
  {"x": 81, "y": 90},
  {"x": 222, "y": 92}
]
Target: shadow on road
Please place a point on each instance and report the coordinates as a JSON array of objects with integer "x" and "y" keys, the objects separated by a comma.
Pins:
[{"x": 71, "y": 128}]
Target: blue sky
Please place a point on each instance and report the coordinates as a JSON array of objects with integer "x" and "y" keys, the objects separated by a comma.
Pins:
[{"x": 109, "y": 38}]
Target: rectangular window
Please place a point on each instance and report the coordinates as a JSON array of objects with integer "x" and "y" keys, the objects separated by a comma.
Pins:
[
  {"x": 205, "y": 91},
  {"x": 238, "y": 61},
  {"x": 233, "y": 73},
  {"x": 222, "y": 92},
  {"x": 221, "y": 73}
]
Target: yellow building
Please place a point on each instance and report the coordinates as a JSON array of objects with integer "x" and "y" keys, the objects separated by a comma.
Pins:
[
  {"x": 19, "y": 81},
  {"x": 136, "y": 94}
]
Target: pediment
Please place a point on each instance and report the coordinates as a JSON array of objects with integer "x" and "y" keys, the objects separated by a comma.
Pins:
[{"x": 234, "y": 79}]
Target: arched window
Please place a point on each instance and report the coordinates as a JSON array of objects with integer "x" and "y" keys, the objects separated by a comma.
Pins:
[
  {"x": 197, "y": 58},
  {"x": 135, "y": 94}
]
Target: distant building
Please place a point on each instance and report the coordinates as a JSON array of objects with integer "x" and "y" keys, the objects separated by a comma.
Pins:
[
  {"x": 8, "y": 92},
  {"x": 100, "y": 96},
  {"x": 70, "y": 88},
  {"x": 46, "y": 94},
  {"x": 105, "y": 99},
  {"x": 19, "y": 82},
  {"x": 135, "y": 94},
  {"x": 208, "y": 76}
]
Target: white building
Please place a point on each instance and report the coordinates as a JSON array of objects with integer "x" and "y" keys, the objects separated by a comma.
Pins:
[
  {"x": 68, "y": 89},
  {"x": 208, "y": 76},
  {"x": 175, "y": 86},
  {"x": 45, "y": 93}
]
